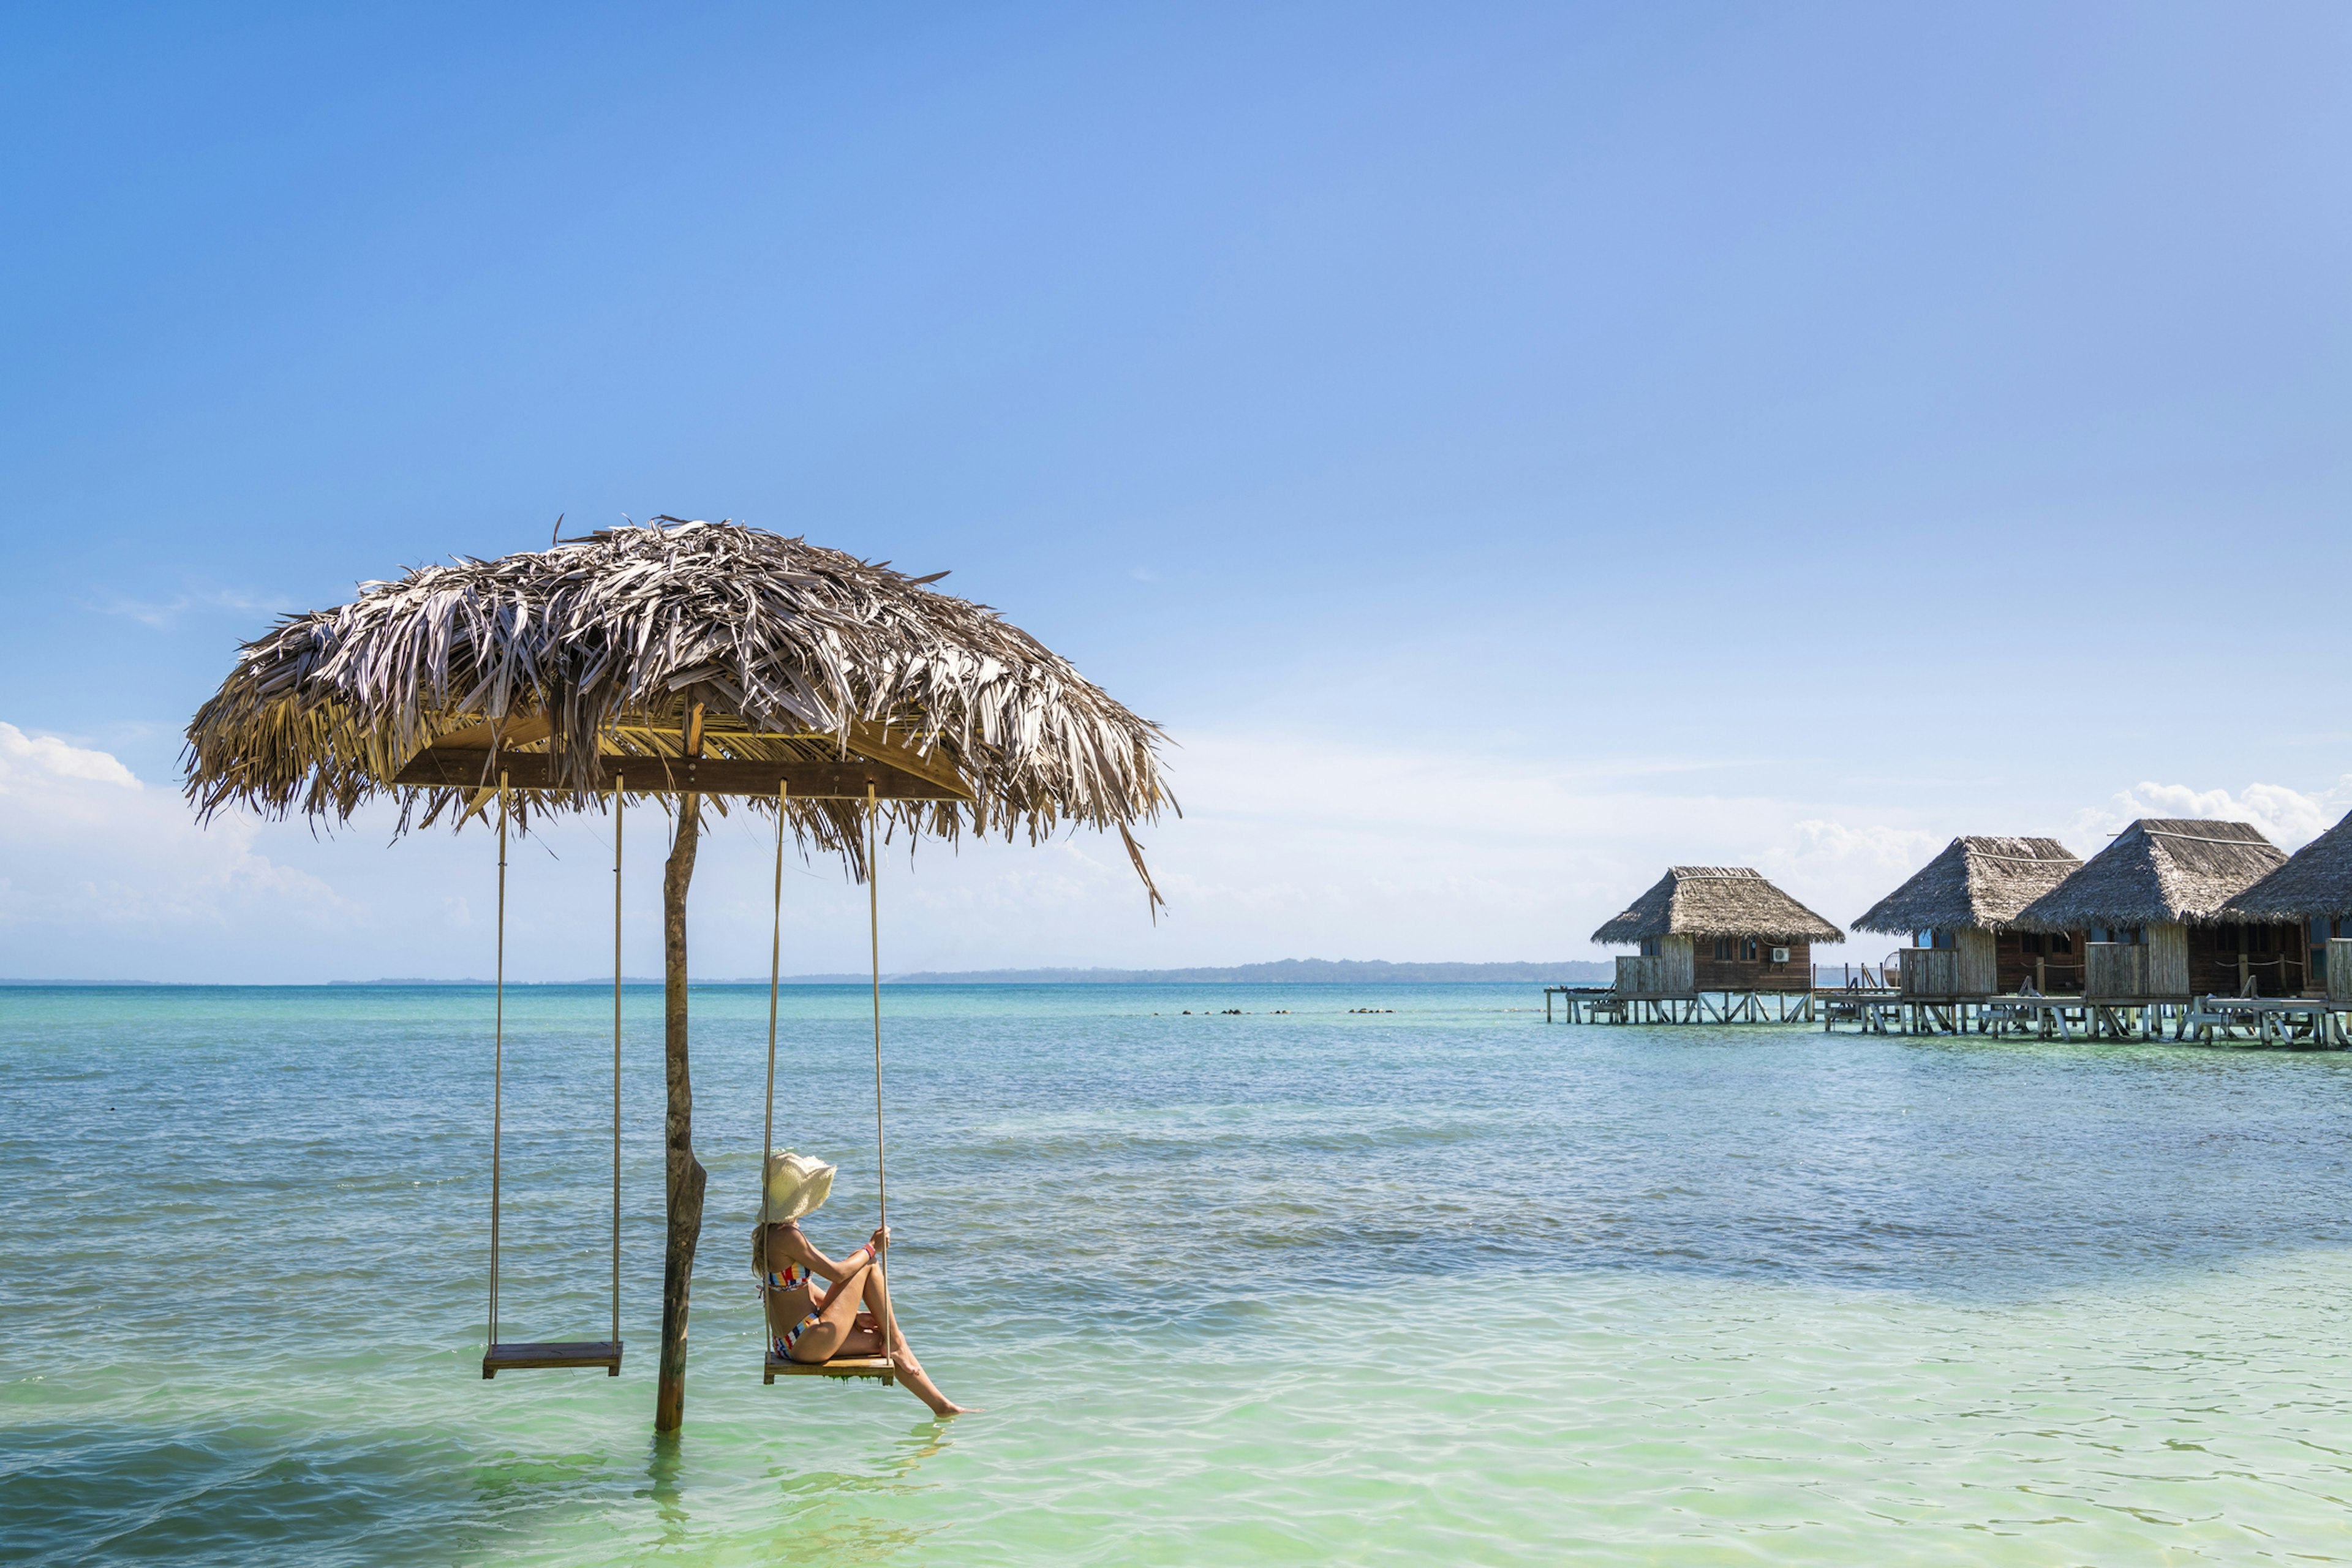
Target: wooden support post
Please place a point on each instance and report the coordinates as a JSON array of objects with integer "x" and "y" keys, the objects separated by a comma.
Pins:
[{"x": 684, "y": 1177}]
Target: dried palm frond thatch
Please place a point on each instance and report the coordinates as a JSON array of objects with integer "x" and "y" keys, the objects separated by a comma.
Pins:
[
  {"x": 693, "y": 660},
  {"x": 594, "y": 651},
  {"x": 1716, "y": 900},
  {"x": 2159, "y": 870},
  {"x": 2314, "y": 884},
  {"x": 1981, "y": 882}
]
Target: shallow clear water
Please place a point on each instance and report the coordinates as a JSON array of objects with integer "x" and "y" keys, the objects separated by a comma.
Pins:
[{"x": 1440, "y": 1282}]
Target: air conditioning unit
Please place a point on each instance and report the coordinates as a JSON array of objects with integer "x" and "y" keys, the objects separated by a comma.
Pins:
[{"x": 1779, "y": 956}]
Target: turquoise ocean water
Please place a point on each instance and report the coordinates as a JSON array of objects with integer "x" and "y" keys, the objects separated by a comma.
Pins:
[{"x": 1432, "y": 1284}]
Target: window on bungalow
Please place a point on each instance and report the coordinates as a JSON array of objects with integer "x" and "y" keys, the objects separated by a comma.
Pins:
[
  {"x": 2061, "y": 942},
  {"x": 1649, "y": 947},
  {"x": 1748, "y": 952},
  {"x": 1723, "y": 947},
  {"x": 2032, "y": 942}
]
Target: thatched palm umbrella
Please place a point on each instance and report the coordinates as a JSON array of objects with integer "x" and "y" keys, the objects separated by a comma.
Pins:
[{"x": 694, "y": 658}]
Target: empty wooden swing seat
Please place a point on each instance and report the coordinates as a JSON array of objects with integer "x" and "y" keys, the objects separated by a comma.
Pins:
[
  {"x": 839, "y": 1366},
  {"x": 522, "y": 1357},
  {"x": 547, "y": 1355}
]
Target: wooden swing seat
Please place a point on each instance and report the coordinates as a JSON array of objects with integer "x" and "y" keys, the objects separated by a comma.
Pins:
[
  {"x": 839, "y": 1366},
  {"x": 521, "y": 1357}
]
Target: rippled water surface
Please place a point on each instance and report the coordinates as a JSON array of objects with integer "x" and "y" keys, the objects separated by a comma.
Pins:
[{"x": 1435, "y": 1283}]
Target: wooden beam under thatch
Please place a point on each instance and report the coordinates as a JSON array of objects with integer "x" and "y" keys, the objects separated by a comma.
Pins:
[{"x": 472, "y": 767}]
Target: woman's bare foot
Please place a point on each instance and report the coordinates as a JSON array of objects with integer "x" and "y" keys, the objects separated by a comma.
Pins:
[{"x": 919, "y": 1382}]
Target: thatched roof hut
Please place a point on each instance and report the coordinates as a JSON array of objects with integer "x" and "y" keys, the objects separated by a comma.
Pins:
[
  {"x": 1716, "y": 901},
  {"x": 690, "y": 660},
  {"x": 2158, "y": 870},
  {"x": 1979, "y": 883},
  {"x": 568, "y": 663},
  {"x": 2314, "y": 884}
]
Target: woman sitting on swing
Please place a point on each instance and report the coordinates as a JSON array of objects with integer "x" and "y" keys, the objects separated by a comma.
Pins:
[{"x": 811, "y": 1325}]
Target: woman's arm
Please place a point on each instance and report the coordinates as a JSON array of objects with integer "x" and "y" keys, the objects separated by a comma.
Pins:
[{"x": 796, "y": 1248}]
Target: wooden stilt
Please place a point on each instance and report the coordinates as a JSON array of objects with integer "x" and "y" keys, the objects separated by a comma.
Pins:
[{"x": 684, "y": 1176}]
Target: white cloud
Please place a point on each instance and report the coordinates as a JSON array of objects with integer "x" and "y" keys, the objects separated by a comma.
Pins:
[
  {"x": 1298, "y": 848},
  {"x": 1877, "y": 849},
  {"x": 1838, "y": 869},
  {"x": 2288, "y": 818},
  {"x": 29, "y": 764},
  {"x": 1293, "y": 846},
  {"x": 96, "y": 859},
  {"x": 162, "y": 613}
]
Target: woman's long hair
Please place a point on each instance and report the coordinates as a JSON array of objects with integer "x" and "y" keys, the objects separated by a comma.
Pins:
[{"x": 760, "y": 1230}]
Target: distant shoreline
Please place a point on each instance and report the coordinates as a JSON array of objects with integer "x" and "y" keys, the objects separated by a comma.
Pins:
[{"x": 1285, "y": 972}]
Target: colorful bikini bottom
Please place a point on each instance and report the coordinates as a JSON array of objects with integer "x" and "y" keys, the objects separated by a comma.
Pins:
[{"x": 791, "y": 1336}]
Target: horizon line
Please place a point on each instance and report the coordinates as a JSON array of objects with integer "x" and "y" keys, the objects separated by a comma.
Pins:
[{"x": 1317, "y": 971}]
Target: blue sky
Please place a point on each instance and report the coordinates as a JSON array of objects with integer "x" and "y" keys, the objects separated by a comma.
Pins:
[{"x": 1511, "y": 448}]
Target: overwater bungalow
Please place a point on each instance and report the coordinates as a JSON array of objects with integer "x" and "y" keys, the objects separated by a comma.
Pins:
[
  {"x": 2312, "y": 890},
  {"x": 1960, "y": 911},
  {"x": 2154, "y": 906},
  {"x": 1715, "y": 929}
]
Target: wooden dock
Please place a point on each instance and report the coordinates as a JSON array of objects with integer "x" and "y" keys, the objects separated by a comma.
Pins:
[
  {"x": 2304, "y": 1022},
  {"x": 1605, "y": 1004}
]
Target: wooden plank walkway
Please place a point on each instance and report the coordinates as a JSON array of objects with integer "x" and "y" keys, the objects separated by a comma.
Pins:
[
  {"x": 2304, "y": 1022},
  {"x": 1603, "y": 1004}
]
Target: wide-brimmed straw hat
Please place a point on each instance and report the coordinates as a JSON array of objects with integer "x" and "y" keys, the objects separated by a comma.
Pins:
[{"x": 795, "y": 1186}]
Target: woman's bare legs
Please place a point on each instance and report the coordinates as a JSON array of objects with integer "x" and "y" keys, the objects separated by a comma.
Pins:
[
  {"x": 842, "y": 1330},
  {"x": 866, "y": 1338},
  {"x": 836, "y": 1315}
]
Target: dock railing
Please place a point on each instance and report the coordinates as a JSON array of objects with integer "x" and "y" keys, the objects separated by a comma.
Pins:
[
  {"x": 2114, "y": 971},
  {"x": 1931, "y": 972},
  {"x": 1643, "y": 976}
]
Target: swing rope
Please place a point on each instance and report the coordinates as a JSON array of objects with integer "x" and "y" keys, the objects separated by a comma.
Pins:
[
  {"x": 881, "y": 1173},
  {"x": 617, "y": 805},
  {"x": 857, "y": 1367},
  {"x": 497, "y": 1064},
  {"x": 775, "y": 980}
]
